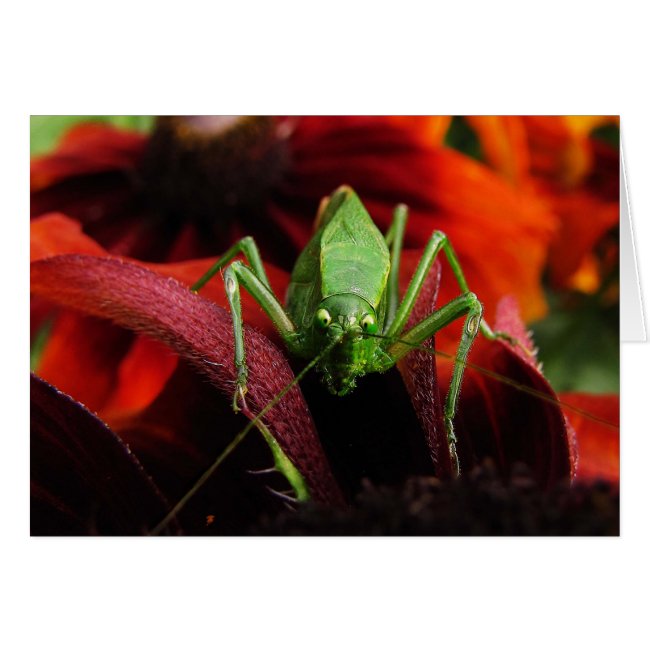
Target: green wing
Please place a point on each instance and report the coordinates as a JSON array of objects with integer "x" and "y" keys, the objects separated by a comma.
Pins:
[
  {"x": 354, "y": 257},
  {"x": 303, "y": 292},
  {"x": 347, "y": 254}
]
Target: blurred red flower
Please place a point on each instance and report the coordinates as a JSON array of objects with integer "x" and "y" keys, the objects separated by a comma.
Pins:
[{"x": 574, "y": 174}]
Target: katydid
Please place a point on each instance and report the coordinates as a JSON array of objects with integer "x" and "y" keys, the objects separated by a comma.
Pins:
[{"x": 342, "y": 302}]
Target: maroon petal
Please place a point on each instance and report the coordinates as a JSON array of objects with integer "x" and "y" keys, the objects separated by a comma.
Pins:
[
  {"x": 419, "y": 373},
  {"x": 595, "y": 419},
  {"x": 199, "y": 331},
  {"x": 519, "y": 420},
  {"x": 180, "y": 434},
  {"x": 84, "y": 479}
]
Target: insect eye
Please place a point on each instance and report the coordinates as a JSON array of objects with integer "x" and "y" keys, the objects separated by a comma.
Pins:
[
  {"x": 323, "y": 318},
  {"x": 369, "y": 324}
]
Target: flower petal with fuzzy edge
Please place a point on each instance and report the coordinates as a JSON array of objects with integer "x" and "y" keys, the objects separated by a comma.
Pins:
[
  {"x": 598, "y": 442},
  {"x": 84, "y": 478},
  {"x": 519, "y": 421},
  {"x": 198, "y": 330},
  {"x": 128, "y": 373},
  {"x": 494, "y": 419}
]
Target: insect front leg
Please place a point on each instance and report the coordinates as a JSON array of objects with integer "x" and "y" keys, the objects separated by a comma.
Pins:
[
  {"x": 438, "y": 242},
  {"x": 238, "y": 273},
  {"x": 257, "y": 284},
  {"x": 466, "y": 305}
]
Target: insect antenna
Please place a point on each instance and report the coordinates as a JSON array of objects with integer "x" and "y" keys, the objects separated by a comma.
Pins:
[
  {"x": 500, "y": 378},
  {"x": 234, "y": 443}
]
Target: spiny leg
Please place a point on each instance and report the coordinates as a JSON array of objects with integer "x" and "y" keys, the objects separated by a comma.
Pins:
[
  {"x": 468, "y": 304},
  {"x": 265, "y": 298},
  {"x": 438, "y": 242},
  {"x": 256, "y": 282}
]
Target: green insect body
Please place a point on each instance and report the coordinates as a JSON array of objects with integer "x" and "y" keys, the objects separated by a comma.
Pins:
[
  {"x": 342, "y": 302},
  {"x": 336, "y": 291}
]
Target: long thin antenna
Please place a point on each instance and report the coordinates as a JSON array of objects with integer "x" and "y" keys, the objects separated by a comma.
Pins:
[
  {"x": 237, "y": 440},
  {"x": 501, "y": 378}
]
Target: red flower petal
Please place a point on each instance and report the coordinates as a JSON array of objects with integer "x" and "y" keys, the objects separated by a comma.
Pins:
[
  {"x": 577, "y": 177},
  {"x": 123, "y": 380},
  {"x": 93, "y": 176},
  {"x": 504, "y": 144},
  {"x": 88, "y": 149},
  {"x": 585, "y": 219},
  {"x": 429, "y": 129},
  {"x": 179, "y": 435},
  {"x": 501, "y": 233},
  {"x": 102, "y": 373},
  {"x": 494, "y": 419},
  {"x": 556, "y": 152},
  {"x": 197, "y": 330},
  {"x": 56, "y": 234},
  {"x": 420, "y": 376},
  {"x": 504, "y": 421},
  {"x": 598, "y": 443},
  {"x": 386, "y": 159},
  {"x": 82, "y": 357},
  {"x": 84, "y": 479},
  {"x": 141, "y": 377}
]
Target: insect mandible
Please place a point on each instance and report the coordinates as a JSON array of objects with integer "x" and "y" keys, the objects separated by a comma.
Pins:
[{"x": 344, "y": 295}]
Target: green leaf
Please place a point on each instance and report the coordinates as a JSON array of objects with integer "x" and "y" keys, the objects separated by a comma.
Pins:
[
  {"x": 46, "y": 130},
  {"x": 38, "y": 344},
  {"x": 579, "y": 348},
  {"x": 462, "y": 137}
]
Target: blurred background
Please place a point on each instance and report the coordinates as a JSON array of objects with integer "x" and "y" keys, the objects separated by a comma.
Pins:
[{"x": 578, "y": 339}]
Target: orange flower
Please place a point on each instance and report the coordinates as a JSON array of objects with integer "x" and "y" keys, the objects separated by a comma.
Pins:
[{"x": 573, "y": 174}]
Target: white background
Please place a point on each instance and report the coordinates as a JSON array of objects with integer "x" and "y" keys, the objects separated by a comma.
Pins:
[{"x": 291, "y": 57}]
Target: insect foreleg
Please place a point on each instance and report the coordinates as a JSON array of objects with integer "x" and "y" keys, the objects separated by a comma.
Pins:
[
  {"x": 248, "y": 248},
  {"x": 438, "y": 242},
  {"x": 257, "y": 283},
  {"x": 234, "y": 274},
  {"x": 467, "y": 304}
]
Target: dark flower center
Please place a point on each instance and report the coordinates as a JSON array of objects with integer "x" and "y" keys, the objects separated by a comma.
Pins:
[{"x": 213, "y": 169}]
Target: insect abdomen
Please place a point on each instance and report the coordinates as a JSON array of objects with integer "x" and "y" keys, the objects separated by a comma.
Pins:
[{"x": 354, "y": 257}]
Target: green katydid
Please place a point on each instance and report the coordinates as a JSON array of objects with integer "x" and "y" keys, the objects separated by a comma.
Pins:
[{"x": 342, "y": 301}]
